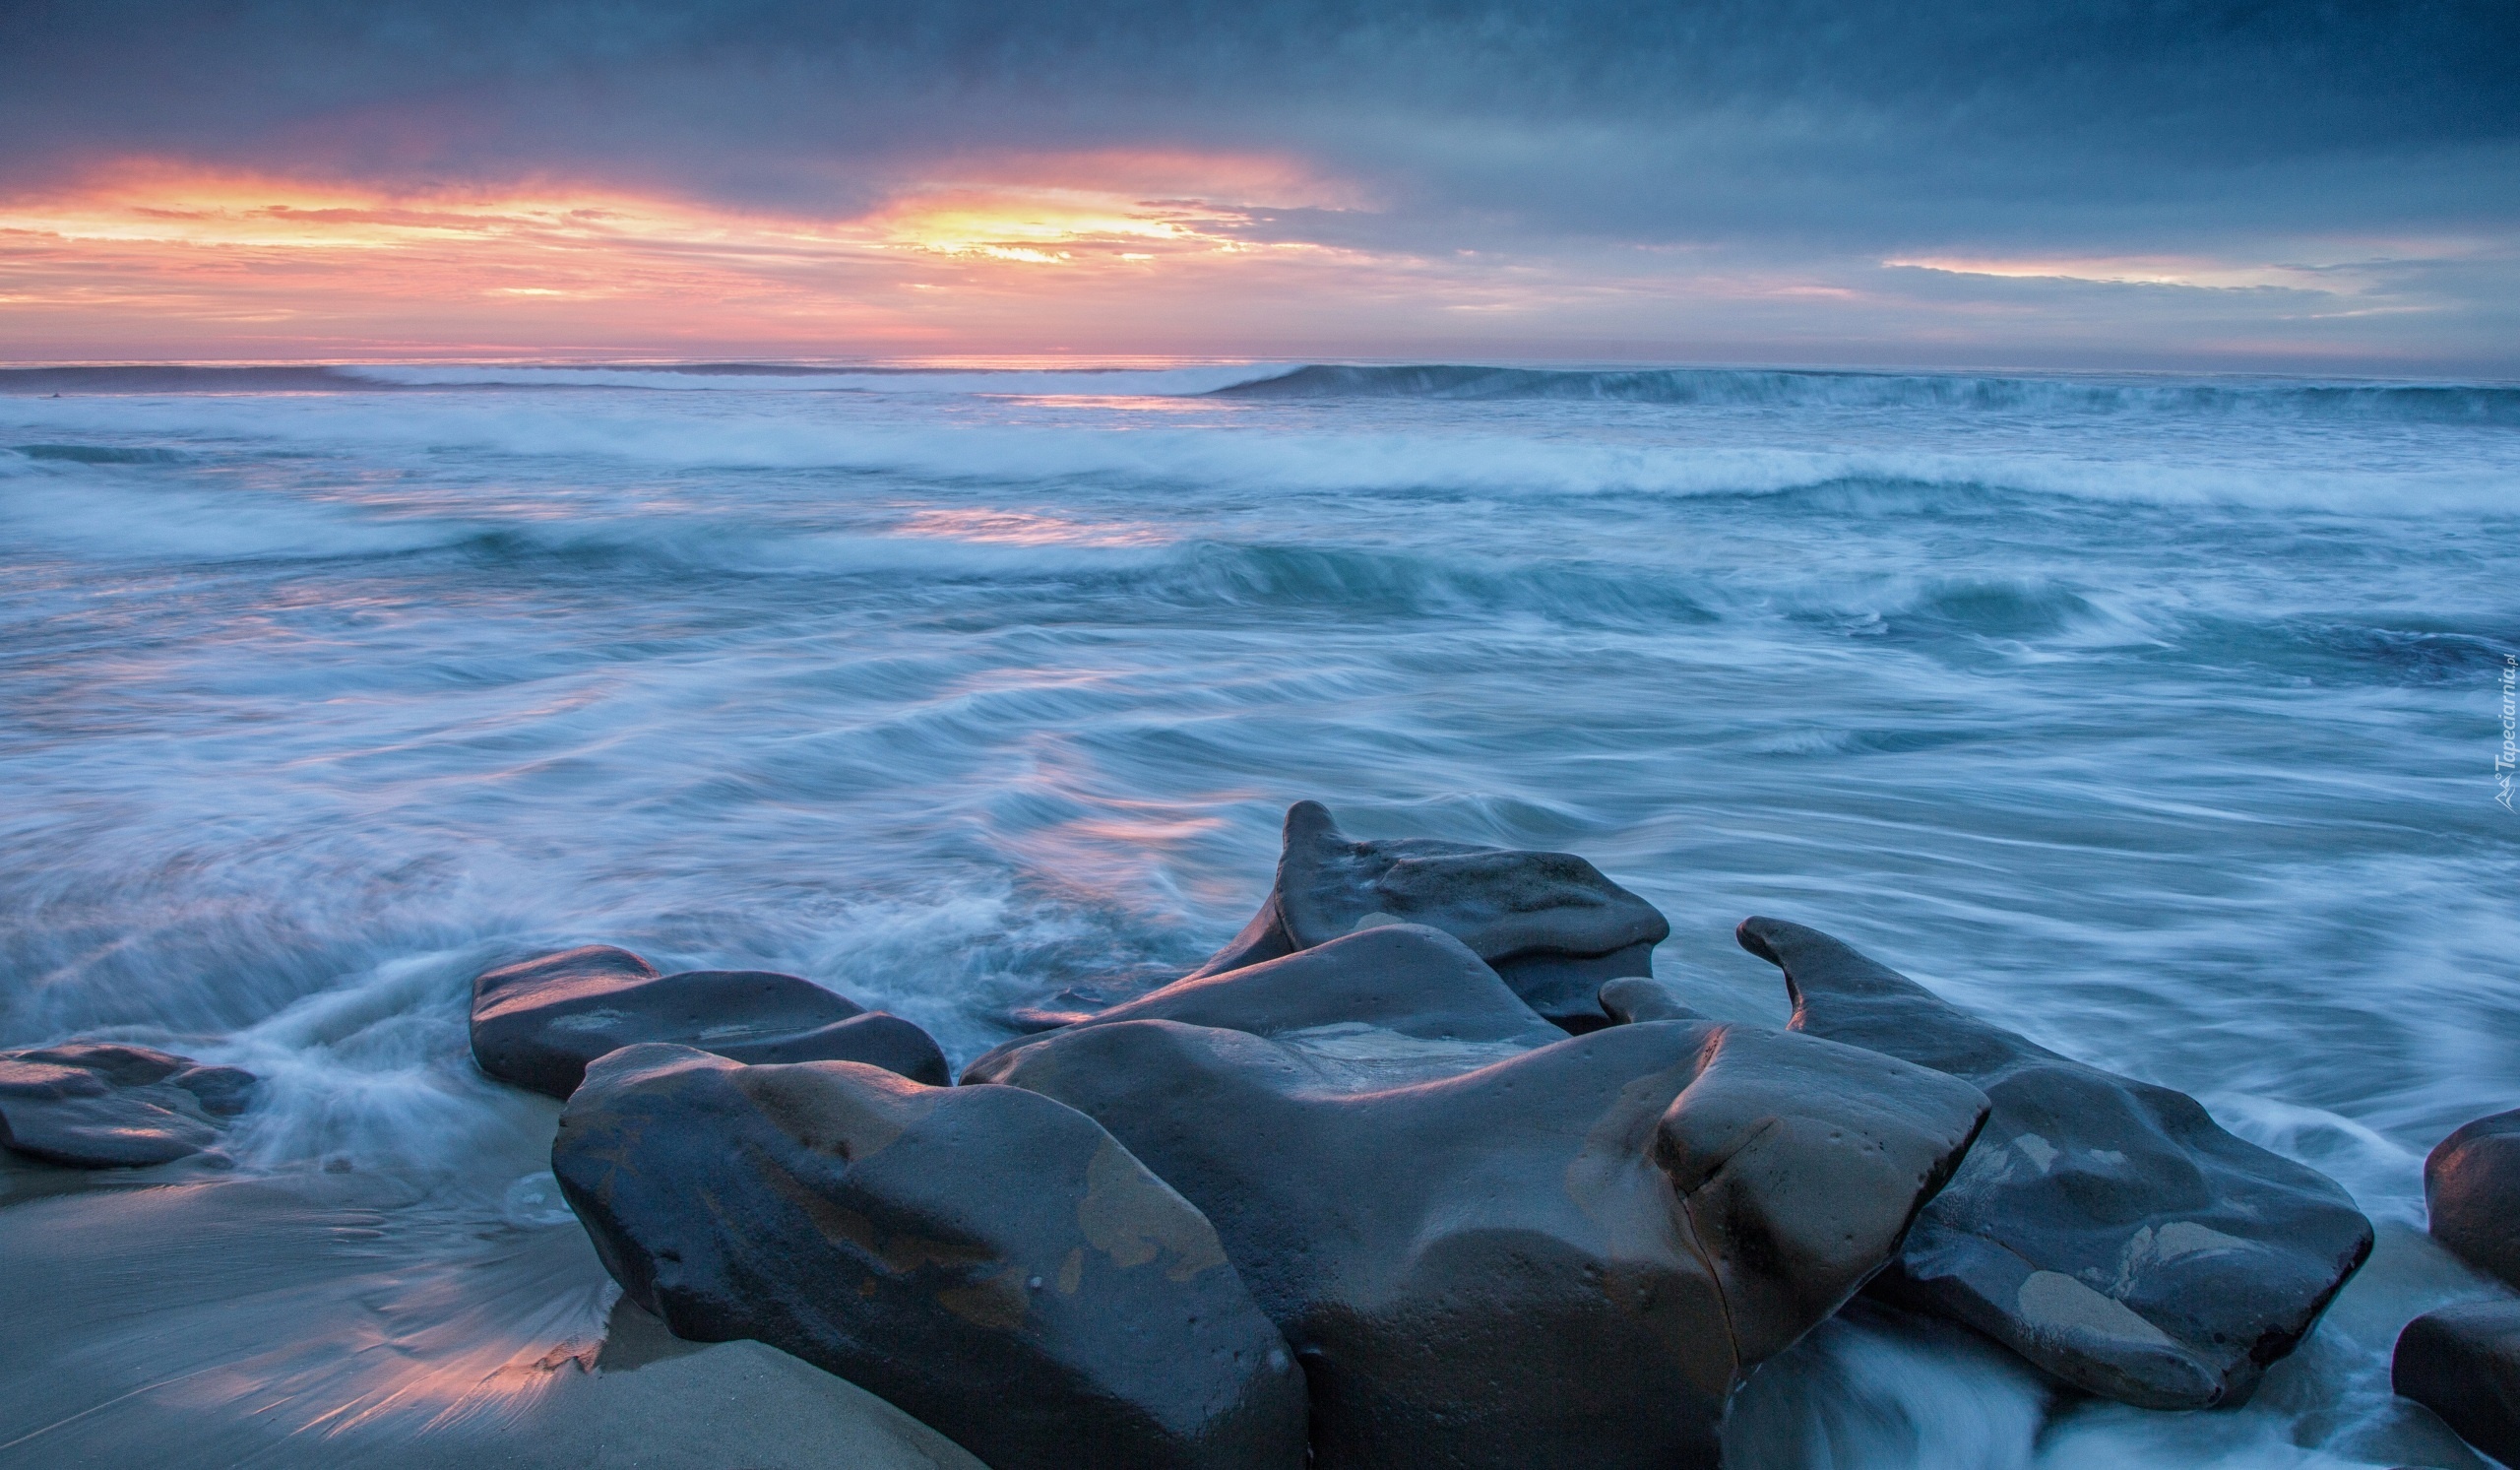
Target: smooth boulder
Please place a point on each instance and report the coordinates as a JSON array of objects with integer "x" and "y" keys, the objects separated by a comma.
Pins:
[
  {"x": 986, "y": 1259},
  {"x": 105, "y": 1105},
  {"x": 1571, "y": 1256},
  {"x": 2472, "y": 1194},
  {"x": 1399, "y": 1003},
  {"x": 539, "y": 1022},
  {"x": 2105, "y": 1229},
  {"x": 2463, "y": 1363},
  {"x": 1550, "y": 924}
]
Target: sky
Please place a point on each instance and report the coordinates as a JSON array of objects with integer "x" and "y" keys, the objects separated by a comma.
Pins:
[{"x": 2292, "y": 187}]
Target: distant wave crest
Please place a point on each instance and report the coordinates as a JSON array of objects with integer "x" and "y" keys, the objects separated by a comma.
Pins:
[
  {"x": 2488, "y": 404},
  {"x": 1732, "y": 387}
]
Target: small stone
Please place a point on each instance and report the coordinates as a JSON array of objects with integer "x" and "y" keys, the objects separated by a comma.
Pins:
[
  {"x": 1549, "y": 922},
  {"x": 538, "y": 1023}
]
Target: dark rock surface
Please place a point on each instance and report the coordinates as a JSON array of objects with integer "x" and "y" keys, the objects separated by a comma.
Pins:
[
  {"x": 989, "y": 1262},
  {"x": 539, "y": 1022},
  {"x": 2463, "y": 1363},
  {"x": 105, "y": 1104},
  {"x": 2102, "y": 1228},
  {"x": 1549, "y": 922},
  {"x": 1396, "y": 1003},
  {"x": 1569, "y": 1257},
  {"x": 1634, "y": 998},
  {"x": 2472, "y": 1194}
]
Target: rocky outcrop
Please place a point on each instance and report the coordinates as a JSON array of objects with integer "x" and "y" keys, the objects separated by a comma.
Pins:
[
  {"x": 2472, "y": 1194},
  {"x": 1571, "y": 1255},
  {"x": 1549, "y": 922},
  {"x": 2102, "y": 1228},
  {"x": 103, "y": 1105},
  {"x": 539, "y": 1022},
  {"x": 989, "y": 1260},
  {"x": 2463, "y": 1363},
  {"x": 1396, "y": 1003}
]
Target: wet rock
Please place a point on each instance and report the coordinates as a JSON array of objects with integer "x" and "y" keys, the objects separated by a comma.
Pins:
[
  {"x": 989, "y": 1262},
  {"x": 1634, "y": 998},
  {"x": 539, "y": 1023},
  {"x": 2472, "y": 1194},
  {"x": 2463, "y": 1363},
  {"x": 1399, "y": 1003},
  {"x": 105, "y": 1105},
  {"x": 1571, "y": 1256},
  {"x": 2102, "y": 1228},
  {"x": 1549, "y": 922}
]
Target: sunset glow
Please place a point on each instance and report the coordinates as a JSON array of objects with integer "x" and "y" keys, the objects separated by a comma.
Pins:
[{"x": 153, "y": 254}]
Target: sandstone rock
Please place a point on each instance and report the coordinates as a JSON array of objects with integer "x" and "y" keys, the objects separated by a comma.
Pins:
[
  {"x": 2472, "y": 1194},
  {"x": 1569, "y": 1257},
  {"x": 989, "y": 1262},
  {"x": 2463, "y": 1363},
  {"x": 1549, "y": 922},
  {"x": 1395, "y": 1003},
  {"x": 105, "y": 1105},
  {"x": 2102, "y": 1228},
  {"x": 539, "y": 1023}
]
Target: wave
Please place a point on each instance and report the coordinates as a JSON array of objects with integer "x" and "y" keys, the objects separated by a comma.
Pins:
[
  {"x": 2480, "y": 403},
  {"x": 2437, "y": 402},
  {"x": 1855, "y": 482}
]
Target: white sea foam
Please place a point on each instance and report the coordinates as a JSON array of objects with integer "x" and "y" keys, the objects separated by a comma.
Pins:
[{"x": 1276, "y": 457}]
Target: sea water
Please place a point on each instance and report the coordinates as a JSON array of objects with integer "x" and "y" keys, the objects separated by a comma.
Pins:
[{"x": 2157, "y": 719}]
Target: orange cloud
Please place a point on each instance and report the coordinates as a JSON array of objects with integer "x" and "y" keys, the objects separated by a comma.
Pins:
[{"x": 149, "y": 259}]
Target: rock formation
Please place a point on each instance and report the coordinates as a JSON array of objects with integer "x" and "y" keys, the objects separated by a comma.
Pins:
[
  {"x": 1635, "y": 998},
  {"x": 1549, "y": 922},
  {"x": 2472, "y": 1194},
  {"x": 1567, "y": 1256},
  {"x": 539, "y": 1023},
  {"x": 2102, "y": 1228},
  {"x": 103, "y": 1105},
  {"x": 1396, "y": 1003},
  {"x": 986, "y": 1259},
  {"x": 2463, "y": 1363}
]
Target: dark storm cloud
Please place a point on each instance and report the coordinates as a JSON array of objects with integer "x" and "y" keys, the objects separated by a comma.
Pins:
[{"x": 1875, "y": 124}]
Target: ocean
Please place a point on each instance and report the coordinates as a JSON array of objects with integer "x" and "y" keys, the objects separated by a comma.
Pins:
[{"x": 2156, "y": 718}]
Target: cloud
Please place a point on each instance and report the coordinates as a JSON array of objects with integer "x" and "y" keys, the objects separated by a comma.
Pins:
[{"x": 1730, "y": 175}]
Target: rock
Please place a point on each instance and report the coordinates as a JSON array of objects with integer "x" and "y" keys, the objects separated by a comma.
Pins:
[
  {"x": 1399, "y": 1003},
  {"x": 1571, "y": 1256},
  {"x": 989, "y": 1262},
  {"x": 2463, "y": 1363},
  {"x": 2104, "y": 1229},
  {"x": 1634, "y": 998},
  {"x": 2472, "y": 1194},
  {"x": 1549, "y": 922},
  {"x": 539, "y": 1023},
  {"x": 105, "y": 1104}
]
